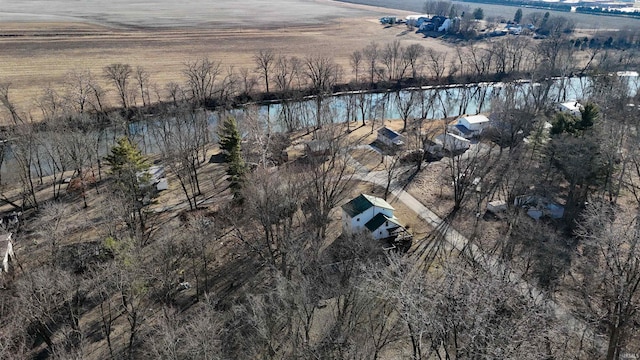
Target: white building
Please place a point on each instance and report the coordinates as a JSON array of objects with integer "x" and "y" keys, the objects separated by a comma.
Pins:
[
  {"x": 470, "y": 126},
  {"x": 412, "y": 20},
  {"x": 452, "y": 142},
  {"x": 372, "y": 214},
  {"x": 570, "y": 107},
  {"x": 390, "y": 138}
]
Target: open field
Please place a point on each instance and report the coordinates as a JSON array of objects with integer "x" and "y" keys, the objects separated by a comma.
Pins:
[
  {"x": 192, "y": 13},
  {"x": 36, "y": 55}
]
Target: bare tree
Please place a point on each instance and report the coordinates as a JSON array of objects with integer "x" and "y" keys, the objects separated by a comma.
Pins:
[
  {"x": 9, "y": 105},
  {"x": 372, "y": 54},
  {"x": 272, "y": 198},
  {"x": 323, "y": 74},
  {"x": 413, "y": 56},
  {"x": 406, "y": 103},
  {"x": 201, "y": 79},
  {"x": 355, "y": 60},
  {"x": 390, "y": 164},
  {"x": 180, "y": 140},
  {"x": 328, "y": 182},
  {"x": 609, "y": 273},
  {"x": 119, "y": 74},
  {"x": 264, "y": 60},
  {"x": 249, "y": 81},
  {"x": 438, "y": 7},
  {"x": 143, "y": 80}
]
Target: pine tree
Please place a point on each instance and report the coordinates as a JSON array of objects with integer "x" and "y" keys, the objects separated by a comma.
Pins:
[
  {"x": 518, "y": 16},
  {"x": 589, "y": 116},
  {"x": 126, "y": 158},
  {"x": 129, "y": 167},
  {"x": 230, "y": 143}
]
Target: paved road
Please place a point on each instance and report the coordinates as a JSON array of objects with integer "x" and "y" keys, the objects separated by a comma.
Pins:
[{"x": 494, "y": 265}]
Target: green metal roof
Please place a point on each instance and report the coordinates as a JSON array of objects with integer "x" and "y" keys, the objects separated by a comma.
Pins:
[
  {"x": 362, "y": 203},
  {"x": 376, "y": 222},
  {"x": 380, "y": 219}
]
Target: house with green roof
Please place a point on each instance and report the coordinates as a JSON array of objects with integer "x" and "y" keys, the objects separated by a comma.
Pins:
[{"x": 372, "y": 214}]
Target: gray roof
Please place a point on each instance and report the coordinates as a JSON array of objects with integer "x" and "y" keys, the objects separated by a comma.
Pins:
[{"x": 388, "y": 133}]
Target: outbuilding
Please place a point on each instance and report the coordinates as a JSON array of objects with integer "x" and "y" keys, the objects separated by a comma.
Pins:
[
  {"x": 570, "y": 107},
  {"x": 390, "y": 138},
  {"x": 471, "y": 126},
  {"x": 453, "y": 142}
]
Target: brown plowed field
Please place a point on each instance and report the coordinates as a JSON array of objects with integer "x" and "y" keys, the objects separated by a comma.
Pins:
[{"x": 35, "y": 54}]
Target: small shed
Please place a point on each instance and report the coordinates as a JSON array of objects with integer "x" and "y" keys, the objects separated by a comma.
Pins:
[
  {"x": 453, "y": 142},
  {"x": 390, "y": 138}
]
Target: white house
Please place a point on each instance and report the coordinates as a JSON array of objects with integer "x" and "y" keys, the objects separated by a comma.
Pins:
[
  {"x": 470, "y": 126},
  {"x": 389, "y": 137},
  {"x": 452, "y": 142},
  {"x": 571, "y": 107},
  {"x": 372, "y": 214},
  {"x": 6, "y": 251}
]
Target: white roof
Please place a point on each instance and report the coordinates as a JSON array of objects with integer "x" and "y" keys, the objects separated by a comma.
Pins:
[
  {"x": 417, "y": 16},
  {"x": 457, "y": 137},
  {"x": 571, "y": 105},
  {"x": 476, "y": 119}
]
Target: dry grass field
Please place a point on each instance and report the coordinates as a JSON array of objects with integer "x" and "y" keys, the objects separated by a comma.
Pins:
[{"x": 37, "y": 54}]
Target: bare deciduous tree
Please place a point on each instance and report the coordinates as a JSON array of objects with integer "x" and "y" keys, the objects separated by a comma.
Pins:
[
  {"x": 119, "y": 74},
  {"x": 264, "y": 60},
  {"x": 608, "y": 278},
  {"x": 201, "y": 79}
]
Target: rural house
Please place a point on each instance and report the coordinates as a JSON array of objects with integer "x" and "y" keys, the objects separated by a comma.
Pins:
[
  {"x": 390, "y": 138},
  {"x": 6, "y": 251},
  {"x": 470, "y": 126},
  {"x": 372, "y": 214}
]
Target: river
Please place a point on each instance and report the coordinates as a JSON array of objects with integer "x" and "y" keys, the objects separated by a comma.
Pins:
[{"x": 431, "y": 102}]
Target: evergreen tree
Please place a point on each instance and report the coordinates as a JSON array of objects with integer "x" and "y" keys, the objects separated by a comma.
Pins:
[
  {"x": 478, "y": 14},
  {"x": 230, "y": 143},
  {"x": 126, "y": 159},
  {"x": 129, "y": 167},
  {"x": 518, "y": 16},
  {"x": 589, "y": 115}
]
